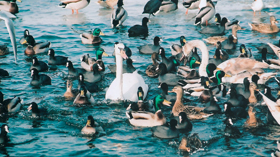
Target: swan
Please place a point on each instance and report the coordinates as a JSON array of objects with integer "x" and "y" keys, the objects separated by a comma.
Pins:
[
  {"x": 125, "y": 86},
  {"x": 273, "y": 107}
]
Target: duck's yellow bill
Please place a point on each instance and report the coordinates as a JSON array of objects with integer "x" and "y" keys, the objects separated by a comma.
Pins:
[
  {"x": 105, "y": 54},
  {"x": 166, "y": 102}
]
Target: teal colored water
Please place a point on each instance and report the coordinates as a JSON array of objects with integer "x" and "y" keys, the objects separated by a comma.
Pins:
[{"x": 58, "y": 134}]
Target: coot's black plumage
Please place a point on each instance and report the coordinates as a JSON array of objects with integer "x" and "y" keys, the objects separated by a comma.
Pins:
[
  {"x": 139, "y": 30},
  {"x": 39, "y": 65},
  {"x": 56, "y": 60},
  {"x": 39, "y": 79},
  {"x": 152, "y": 7}
]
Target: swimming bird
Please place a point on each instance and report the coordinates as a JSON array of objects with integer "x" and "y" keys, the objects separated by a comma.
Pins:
[
  {"x": 170, "y": 62},
  {"x": 152, "y": 7},
  {"x": 237, "y": 100},
  {"x": 139, "y": 30},
  {"x": 56, "y": 60},
  {"x": 150, "y": 48},
  {"x": 3, "y": 73},
  {"x": 94, "y": 75},
  {"x": 212, "y": 107},
  {"x": 205, "y": 13},
  {"x": 74, "y": 72},
  {"x": 4, "y": 50},
  {"x": 3, "y": 135},
  {"x": 9, "y": 6},
  {"x": 215, "y": 30},
  {"x": 91, "y": 127},
  {"x": 234, "y": 111},
  {"x": 125, "y": 86},
  {"x": 243, "y": 52},
  {"x": 260, "y": 46},
  {"x": 11, "y": 29},
  {"x": 266, "y": 27},
  {"x": 252, "y": 121},
  {"x": 176, "y": 48},
  {"x": 11, "y": 105},
  {"x": 90, "y": 86},
  {"x": 92, "y": 38},
  {"x": 39, "y": 79},
  {"x": 107, "y": 3},
  {"x": 191, "y": 143},
  {"x": 119, "y": 15},
  {"x": 257, "y": 5},
  {"x": 184, "y": 124},
  {"x": 151, "y": 69},
  {"x": 217, "y": 60},
  {"x": 146, "y": 119},
  {"x": 24, "y": 40},
  {"x": 273, "y": 107},
  {"x": 168, "y": 5},
  {"x": 191, "y": 4},
  {"x": 127, "y": 68},
  {"x": 231, "y": 130},
  {"x": 36, "y": 112},
  {"x": 87, "y": 62},
  {"x": 74, "y": 4},
  {"x": 166, "y": 132},
  {"x": 34, "y": 47},
  {"x": 69, "y": 93},
  {"x": 168, "y": 78},
  {"x": 84, "y": 97},
  {"x": 39, "y": 65}
]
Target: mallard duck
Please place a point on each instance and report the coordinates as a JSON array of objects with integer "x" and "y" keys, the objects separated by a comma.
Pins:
[
  {"x": 266, "y": 27},
  {"x": 191, "y": 4},
  {"x": 92, "y": 38},
  {"x": 119, "y": 15},
  {"x": 90, "y": 86},
  {"x": 217, "y": 60},
  {"x": 176, "y": 48},
  {"x": 260, "y": 46},
  {"x": 151, "y": 70},
  {"x": 74, "y": 4},
  {"x": 168, "y": 78},
  {"x": 150, "y": 48},
  {"x": 244, "y": 89},
  {"x": 257, "y": 5},
  {"x": 9, "y": 6},
  {"x": 69, "y": 93},
  {"x": 4, "y": 50},
  {"x": 252, "y": 121},
  {"x": 191, "y": 143},
  {"x": 269, "y": 61},
  {"x": 152, "y": 7},
  {"x": 39, "y": 79},
  {"x": 91, "y": 127},
  {"x": 166, "y": 132},
  {"x": 146, "y": 119},
  {"x": 107, "y": 3},
  {"x": 84, "y": 97},
  {"x": 74, "y": 72},
  {"x": 168, "y": 5},
  {"x": 234, "y": 112},
  {"x": 170, "y": 62},
  {"x": 164, "y": 92},
  {"x": 3, "y": 135},
  {"x": 215, "y": 30},
  {"x": 243, "y": 52},
  {"x": 231, "y": 130},
  {"x": 34, "y": 47},
  {"x": 205, "y": 13},
  {"x": 56, "y": 60},
  {"x": 39, "y": 65},
  {"x": 11, "y": 105},
  {"x": 127, "y": 68},
  {"x": 87, "y": 62},
  {"x": 36, "y": 112},
  {"x": 94, "y": 75},
  {"x": 24, "y": 40},
  {"x": 139, "y": 30},
  {"x": 125, "y": 86},
  {"x": 223, "y": 54}
]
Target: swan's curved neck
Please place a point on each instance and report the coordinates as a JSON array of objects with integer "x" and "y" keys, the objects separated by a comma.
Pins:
[
  {"x": 119, "y": 72},
  {"x": 204, "y": 51}
]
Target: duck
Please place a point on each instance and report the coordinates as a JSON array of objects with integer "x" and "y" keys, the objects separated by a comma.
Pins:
[
  {"x": 35, "y": 48},
  {"x": 176, "y": 48},
  {"x": 267, "y": 93},
  {"x": 168, "y": 5},
  {"x": 74, "y": 72},
  {"x": 253, "y": 99},
  {"x": 126, "y": 85},
  {"x": 268, "y": 61},
  {"x": 228, "y": 25},
  {"x": 182, "y": 59},
  {"x": 150, "y": 48},
  {"x": 151, "y": 69},
  {"x": 164, "y": 92},
  {"x": 191, "y": 73},
  {"x": 4, "y": 73},
  {"x": 184, "y": 124},
  {"x": 205, "y": 13},
  {"x": 212, "y": 107},
  {"x": 87, "y": 62},
  {"x": 223, "y": 54},
  {"x": 94, "y": 75},
  {"x": 257, "y": 5},
  {"x": 152, "y": 7},
  {"x": 4, "y": 50},
  {"x": 230, "y": 130},
  {"x": 56, "y": 60},
  {"x": 107, "y": 3},
  {"x": 92, "y": 38},
  {"x": 277, "y": 152},
  {"x": 215, "y": 30},
  {"x": 24, "y": 40},
  {"x": 11, "y": 105},
  {"x": 3, "y": 135},
  {"x": 169, "y": 78},
  {"x": 170, "y": 62},
  {"x": 166, "y": 132},
  {"x": 237, "y": 100},
  {"x": 69, "y": 93},
  {"x": 191, "y": 143},
  {"x": 243, "y": 52},
  {"x": 146, "y": 119},
  {"x": 260, "y": 46},
  {"x": 39, "y": 79},
  {"x": 266, "y": 27},
  {"x": 252, "y": 121},
  {"x": 9, "y": 6},
  {"x": 234, "y": 111},
  {"x": 74, "y": 5},
  {"x": 84, "y": 97},
  {"x": 139, "y": 30},
  {"x": 127, "y": 68},
  {"x": 191, "y": 4},
  {"x": 36, "y": 112},
  {"x": 119, "y": 15},
  {"x": 91, "y": 127},
  {"x": 244, "y": 89},
  {"x": 90, "y": 86},
  {"x": 39, "y": 65},
  {"x": 217, "y": 60},
  {"x": 191, "y": 111}
]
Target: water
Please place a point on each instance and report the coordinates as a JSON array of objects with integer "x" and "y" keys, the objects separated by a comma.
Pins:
[{"x": 59, "y": 133}]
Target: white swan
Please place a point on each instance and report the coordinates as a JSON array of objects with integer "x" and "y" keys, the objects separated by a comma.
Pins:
[
  {"x": 273, "y": 108},
  {"x": 125, "y": 86}
]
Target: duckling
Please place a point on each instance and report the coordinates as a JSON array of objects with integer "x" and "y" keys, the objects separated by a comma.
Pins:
[
  {"x": 39, "y": 65},
  {"x": 39, "y": 79},
  {"x": 176, "y": 48},
  {"x": 152, "y": 7},
  {"x": 128, "y": 68},
  {"x": 257, "y": 5},
  {"x": 215, "y": 30},
  {"x": 205, "y": 14},
  {"x": 74, "y": 72},
  {"x": 277, "y": 152},
  {"x": 3, "y": 73},
  {"x": 237, "y": 100},
  {"x": 252, "y": 121},
  {"x": 170, "y": 63},
  {"x": 56, "y": 60},
  {"x": 213, "y": 107},
  {"x": 168, "y": 78},
  {"x": 165, "y": 131},
  {"x": 146, "y": 119},
  {"x": 69, "y": 93},
  {"x": 9, "y": 6},
  {"x": 87, "y": 62},
  {"x": 107, "y": 3},
  {"x": 139, "y": 30},
  {"x": 266, "y": 27},
  {"x": 91, "y": 87},
  {"x": 3, "y": 135},
  {"x": 119, "y": 15},
  {"x": 92, "y": 38},
  {"x": 168, "y": 5},
  {"x": 95, "y": 75},
  {"x": 150, "y": 48},
  {"x": 243, "y": 52},
  {"x": 234, "y": 112},
  {"x": 74, "y": 5},
  {"x": 230, "y": 130},
  {"x": 91, "y": 127},
  {"x": 191, "y": 4},
  {"x": 223, "y": 54},
  {"x": 84, "y": 97},
  {"x": 184, "y": 124},
  {"x": 4, "y": 50},
  {"x": 151, "y": 69},
  {"x": 36, "y": 112}
]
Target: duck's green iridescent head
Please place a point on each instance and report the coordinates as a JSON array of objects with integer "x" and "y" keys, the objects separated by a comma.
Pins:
[
  {"x": 100, "y": 52},
  {"x": 97, "y": 32},
  {"x": 183, "y": 40},
  {"x": 193, "y": 61},
  {"x": 159, "y": 100}
]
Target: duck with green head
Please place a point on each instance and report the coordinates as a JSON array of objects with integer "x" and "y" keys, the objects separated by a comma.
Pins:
[
  {"x": 94, "y": 38},
  {"x": 87, "y": 62}
]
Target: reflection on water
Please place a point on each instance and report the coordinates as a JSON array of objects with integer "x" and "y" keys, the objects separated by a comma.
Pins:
[{"x": 75, "y": 18}]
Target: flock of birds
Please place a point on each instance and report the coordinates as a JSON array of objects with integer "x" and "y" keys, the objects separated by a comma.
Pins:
[{"x": 243, "y": 75}]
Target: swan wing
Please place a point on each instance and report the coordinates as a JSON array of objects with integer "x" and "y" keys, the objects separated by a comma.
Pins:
[{"x": 273, "y": 108}]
